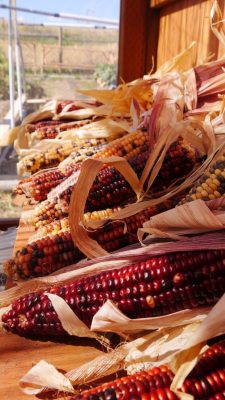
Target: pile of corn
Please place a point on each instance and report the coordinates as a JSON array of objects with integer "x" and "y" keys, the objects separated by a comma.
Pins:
[{"x": 157, "y": 287}]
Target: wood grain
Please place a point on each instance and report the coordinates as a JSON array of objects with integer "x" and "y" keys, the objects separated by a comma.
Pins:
[
  {"x": 180, "y": 24},
  {"x": 18, "y": 355},
  {"x": 161, "y": 3}
]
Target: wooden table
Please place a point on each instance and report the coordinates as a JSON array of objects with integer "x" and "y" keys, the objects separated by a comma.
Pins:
[{"x": 18, "y": 354}]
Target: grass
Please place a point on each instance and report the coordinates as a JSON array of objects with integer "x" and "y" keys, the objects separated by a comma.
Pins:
[{"x": 8, "y": 208}]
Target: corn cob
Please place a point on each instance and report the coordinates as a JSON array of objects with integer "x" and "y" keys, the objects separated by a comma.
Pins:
[
  {"x": 155, "y": 383},
  {"x": 129, "y": 146},
  {"x": 211, "y": 185},
  {"x": 50, "y": 129},
  {"x": 109, "y": 190},
  {"x": 159, "y": 286},
  {"x": 43, "y": 183},
  {"x": 48, "y": 211},
  {"x": 53, "y": 156},
  {"x": 179, "y": 162},
  {"x": 48, "y": 254},
  {"x": 62, "y": 225}
]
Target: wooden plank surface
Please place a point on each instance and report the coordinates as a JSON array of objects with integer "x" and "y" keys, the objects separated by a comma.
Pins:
[{"x": 18, "y": 355}]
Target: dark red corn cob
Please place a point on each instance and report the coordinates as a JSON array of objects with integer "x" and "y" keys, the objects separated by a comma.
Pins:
[
  {"x": 110, "y": 188},
  {"x": 158, "y": 286},
  {"x": 154, "y": 384},
  {"x": 52, "y": 252},
  {"x": 129, "y": 146}
]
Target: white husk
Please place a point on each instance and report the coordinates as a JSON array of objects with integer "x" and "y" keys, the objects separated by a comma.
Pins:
[
  {"x": 70, "y": 322},
  {"x": 110, "y": 319},
  {"x": 44, "y": 374},
  {"x": 154, "y": 348},
  {"x": 190, "y": 218}
]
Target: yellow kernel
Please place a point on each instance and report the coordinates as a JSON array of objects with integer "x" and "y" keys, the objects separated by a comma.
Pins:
[
  {"x": 209, "y": 190},
  {"x": 216, "y": 182},
  {"x": 217, "y": 194},
  {"x": 204, "y": 185},
  {"x": 211, "y": 197},
  {"x": 204, "y": 193},
  {"x": 217, "y": 171},
  {"x": 213, "y": 186}
]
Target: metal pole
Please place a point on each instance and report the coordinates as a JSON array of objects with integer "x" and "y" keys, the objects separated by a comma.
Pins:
[
  {"x": 11, "y": 69},
  {"x": 18, "y": 71}
]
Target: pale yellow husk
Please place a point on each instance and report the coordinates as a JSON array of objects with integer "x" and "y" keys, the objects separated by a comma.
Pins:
[
  {"x": 190, "y": 218},
  {"x": 152, "y": 349}
]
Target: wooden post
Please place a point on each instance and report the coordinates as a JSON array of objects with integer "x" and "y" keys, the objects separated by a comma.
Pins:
[
  {"x": 138, "y": 38},
  {"x": 60, "y": 48},
  {"x": 42, "y": 59},
  {"x": 35, "y": 58}
]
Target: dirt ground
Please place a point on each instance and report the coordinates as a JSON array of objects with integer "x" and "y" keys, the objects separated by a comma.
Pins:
[
  {"x": 65, "y": 87},
  {"x": 8, "y": 208},
  {"x": 4, "y": 107}
]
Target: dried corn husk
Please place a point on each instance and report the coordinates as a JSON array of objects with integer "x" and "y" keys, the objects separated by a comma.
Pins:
[
  {"x": 183, "y": 362},
  {"x": 217, "y": 22},
  {"x": 190, "y": 218},
  {"x": 89, "y": 170},
  {"x": 151, "y": 349},
  {"x": 119, "y": 100},
  {"x": 160, "y": 347}
]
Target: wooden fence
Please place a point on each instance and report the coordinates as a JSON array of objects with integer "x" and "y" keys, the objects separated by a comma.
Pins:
[{"x": 40, "y": 57}]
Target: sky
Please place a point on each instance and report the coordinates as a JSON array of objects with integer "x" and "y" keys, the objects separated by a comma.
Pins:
[{"x": 94, "y": 8}]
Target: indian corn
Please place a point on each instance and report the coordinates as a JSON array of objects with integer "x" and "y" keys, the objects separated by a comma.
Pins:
[
  {"x": 205, "y": 381},
  {"x": 159, "y": 286},
  {"x": 52, "y": 252},
  {"x": 211, "y": 185},
  {"x": 111, "y": 189},
  {"x": 54, "y": 155}
]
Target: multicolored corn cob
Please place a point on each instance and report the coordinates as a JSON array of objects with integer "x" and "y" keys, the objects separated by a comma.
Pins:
[
  {"x": 178, "y": 163},
  {"x": 211, "y": 185},
  {"x": 62, "y": 225},
  {"x": 155, "y": 383},
  {"x": 50, "y": 253},
  {"x": 128, "y": 146},
  {"x": 48, "y": 211},
  {"x": 54, "y": 155},
  {"x": 159, "y": 286},
  {"x": 50, "y": 129},
  {"x": 111, "y": 189}
]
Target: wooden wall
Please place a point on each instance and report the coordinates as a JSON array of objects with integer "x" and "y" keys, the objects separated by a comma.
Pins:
[{"x": 160, "y": 29}]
